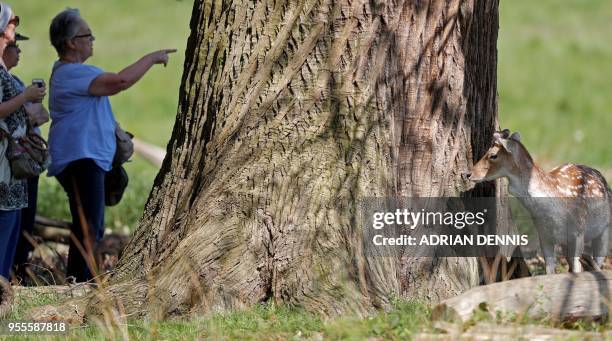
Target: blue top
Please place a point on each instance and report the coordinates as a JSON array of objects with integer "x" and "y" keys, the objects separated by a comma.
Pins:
[{"x": 82, "y": 125}]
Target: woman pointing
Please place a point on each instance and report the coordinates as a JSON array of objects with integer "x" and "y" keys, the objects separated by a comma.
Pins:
[{"x": 82, "y": 133}]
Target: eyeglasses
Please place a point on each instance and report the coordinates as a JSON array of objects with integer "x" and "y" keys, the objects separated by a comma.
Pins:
[{"x": 88, "y": 35}]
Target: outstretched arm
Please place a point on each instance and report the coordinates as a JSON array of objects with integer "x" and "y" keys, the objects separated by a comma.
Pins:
[{"x": 109, "y": 84}]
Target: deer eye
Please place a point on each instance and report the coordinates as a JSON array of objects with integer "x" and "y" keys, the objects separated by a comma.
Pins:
[{"x": 493, "y": 156}]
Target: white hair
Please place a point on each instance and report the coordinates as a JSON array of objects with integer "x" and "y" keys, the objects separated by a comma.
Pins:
[{"x": 64, "y": 27}]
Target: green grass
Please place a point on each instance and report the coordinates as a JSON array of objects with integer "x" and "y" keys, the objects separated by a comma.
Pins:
[
  {"x": 279, "y": 322},
  {"x": 266, "y": 322},
  {"x": 553, "y": 78}
]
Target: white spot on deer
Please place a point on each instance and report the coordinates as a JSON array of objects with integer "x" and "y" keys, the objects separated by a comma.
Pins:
[{"x": 566, "y": 191}]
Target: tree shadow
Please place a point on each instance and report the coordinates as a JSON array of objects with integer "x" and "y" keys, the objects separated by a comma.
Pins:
[{"x": 380, "y": 81}]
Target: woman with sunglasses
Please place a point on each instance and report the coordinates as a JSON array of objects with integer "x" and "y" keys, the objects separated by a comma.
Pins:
[
  {"x": 13, "y": 121},
  {"x": 82, "y": 133},
  {"x": 37, "y": 116}
]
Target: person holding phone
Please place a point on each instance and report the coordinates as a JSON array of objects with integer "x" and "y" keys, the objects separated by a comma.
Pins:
[
  {"x": 37, "y": 116},
  {"x": 13, "y": 122},
  {"x": 82, "y": 134}
]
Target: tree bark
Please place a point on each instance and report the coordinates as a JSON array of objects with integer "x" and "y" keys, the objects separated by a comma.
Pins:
[{"x": 289, "y": 113}]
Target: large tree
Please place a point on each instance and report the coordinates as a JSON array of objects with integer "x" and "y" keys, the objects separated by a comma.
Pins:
[{"x": 291, "y": 112}]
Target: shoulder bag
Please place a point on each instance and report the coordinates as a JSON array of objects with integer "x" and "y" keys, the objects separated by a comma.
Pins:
[{"x": 27, "y": 155}]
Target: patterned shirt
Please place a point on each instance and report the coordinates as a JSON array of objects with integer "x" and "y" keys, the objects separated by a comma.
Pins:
[{"x": 13, "y": 192}]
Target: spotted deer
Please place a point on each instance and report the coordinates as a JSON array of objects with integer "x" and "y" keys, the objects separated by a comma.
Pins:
[{"x": 571, "y": 205}]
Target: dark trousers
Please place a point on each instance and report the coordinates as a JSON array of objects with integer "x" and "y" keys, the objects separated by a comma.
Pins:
[
  {"x": 83, "y": 181},
  {"x": 9, "y": 234},
  {"x": 27, "y": 226}
]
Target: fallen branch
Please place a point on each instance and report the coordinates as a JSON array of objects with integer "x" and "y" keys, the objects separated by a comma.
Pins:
[
  {"x": 152, "y": 153},
  {"x": 48, "y": 222},
  {"x": 560, "y": 297},
  {"x": 65, "y": 291},
  {"x": 52, "y": 234}
]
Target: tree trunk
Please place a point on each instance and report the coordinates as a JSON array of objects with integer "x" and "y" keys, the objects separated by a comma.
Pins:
[{"x": 290, "y": 112}]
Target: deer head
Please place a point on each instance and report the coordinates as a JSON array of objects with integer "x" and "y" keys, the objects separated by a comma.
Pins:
[{"x": 504, "y": 158}]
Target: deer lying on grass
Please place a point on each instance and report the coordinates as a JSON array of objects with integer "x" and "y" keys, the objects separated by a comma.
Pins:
[{"x": 571, "y": 204}]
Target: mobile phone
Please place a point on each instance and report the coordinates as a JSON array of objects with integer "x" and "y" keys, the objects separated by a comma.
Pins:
[{"x": 38, "y": 82}]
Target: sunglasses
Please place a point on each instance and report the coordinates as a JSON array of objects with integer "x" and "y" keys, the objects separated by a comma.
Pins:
[{"x": 14, "y": 20}]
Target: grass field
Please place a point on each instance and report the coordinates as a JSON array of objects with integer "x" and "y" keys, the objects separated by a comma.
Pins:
[
  {"x": 261, "y": 322},
  {"x": 553, "y": 83},
  {"x": 278, "y": 322},
  {"x": 554, "y": 78}
]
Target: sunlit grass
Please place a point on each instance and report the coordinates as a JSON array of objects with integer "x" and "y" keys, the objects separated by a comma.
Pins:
[
  {"x": 269, "y": 322},
  {"x": 554, "y": 84}
]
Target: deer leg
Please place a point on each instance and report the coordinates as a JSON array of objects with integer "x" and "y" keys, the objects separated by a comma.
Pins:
[
  {"x": 548, "y": 249},
  {"x": 600, "y": 248},
  {"x": 575, "y": 247}
]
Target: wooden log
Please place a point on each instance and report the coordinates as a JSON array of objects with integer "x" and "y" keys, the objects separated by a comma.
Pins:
[
  {"x": 152, "y": 153},
  {"x": 52, "y": 234},
  {"x": 44, "y": 221},
  {"x": 63, "y": 291},
  {"x": 561, "y": 297}
]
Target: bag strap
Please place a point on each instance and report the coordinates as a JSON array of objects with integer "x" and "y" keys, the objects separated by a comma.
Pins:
[{"x": 37, "y": 142}]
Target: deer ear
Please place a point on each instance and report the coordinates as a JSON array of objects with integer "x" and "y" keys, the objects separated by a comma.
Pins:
[
  {"x": 503, "y": 134},
  {"x": 506, "y": 145},
  {"x": 516, "y": 137}
]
